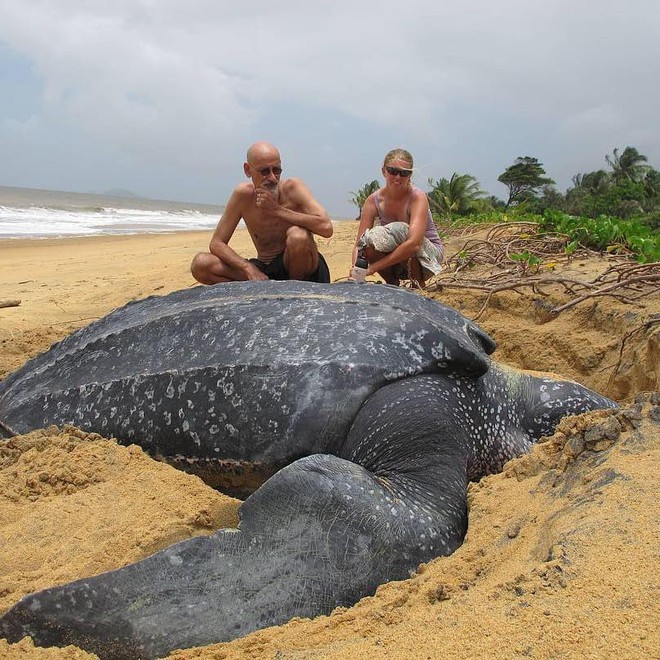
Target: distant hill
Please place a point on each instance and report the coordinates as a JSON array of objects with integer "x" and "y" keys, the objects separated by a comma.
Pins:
[
  {"x": 115, "y": 198},
  {"x": 120, "y": 192}
]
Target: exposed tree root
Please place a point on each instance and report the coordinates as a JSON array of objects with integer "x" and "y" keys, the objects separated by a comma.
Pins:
[{"x": 511, "y": 257}]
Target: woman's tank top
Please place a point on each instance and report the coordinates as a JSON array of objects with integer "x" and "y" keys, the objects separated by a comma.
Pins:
[{"x": 431, "y": 231}]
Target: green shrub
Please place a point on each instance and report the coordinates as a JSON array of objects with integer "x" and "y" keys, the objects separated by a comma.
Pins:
[{"x": 606, "y": 233}]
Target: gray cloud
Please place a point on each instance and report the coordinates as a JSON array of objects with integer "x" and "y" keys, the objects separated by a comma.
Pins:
[{"x": 166, "y": 95}]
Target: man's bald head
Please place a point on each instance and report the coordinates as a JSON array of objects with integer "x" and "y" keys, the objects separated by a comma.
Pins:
[
  {"x": 263, "y": 165},
  {"x": 262, "y": 151}
]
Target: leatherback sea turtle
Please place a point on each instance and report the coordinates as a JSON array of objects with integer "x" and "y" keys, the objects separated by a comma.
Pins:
[{"x": 372, "y": 405}]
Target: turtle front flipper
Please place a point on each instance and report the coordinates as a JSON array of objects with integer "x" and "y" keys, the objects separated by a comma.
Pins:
[{"x": 322, "y": 532}]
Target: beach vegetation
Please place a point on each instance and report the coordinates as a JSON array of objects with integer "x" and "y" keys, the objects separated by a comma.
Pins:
[
  {"x": 629, "y": 165},
  {"x": 607, "y": 234},
  {"x": 613, "y": 210}
]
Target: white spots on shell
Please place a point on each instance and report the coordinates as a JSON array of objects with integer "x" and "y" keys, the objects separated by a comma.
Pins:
[
  {"x": 544, "y": 395},
  {"x": 411, "y": 344},
  {"x": 441, "y": 353}
]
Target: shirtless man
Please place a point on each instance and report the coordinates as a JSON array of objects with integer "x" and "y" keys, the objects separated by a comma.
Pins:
[{"x": 281, "y": 215}]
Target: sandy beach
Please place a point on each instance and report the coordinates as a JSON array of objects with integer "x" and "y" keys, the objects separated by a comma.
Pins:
[{"x": 561, "y": 557}]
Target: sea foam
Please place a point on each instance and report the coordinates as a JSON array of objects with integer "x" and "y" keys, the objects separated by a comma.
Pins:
[{"x": 43, "y": 222}]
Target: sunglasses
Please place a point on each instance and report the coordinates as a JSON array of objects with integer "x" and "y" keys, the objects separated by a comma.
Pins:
[
  {"x": 265, "y": 171},
  {"x": 395, "y": 170}
]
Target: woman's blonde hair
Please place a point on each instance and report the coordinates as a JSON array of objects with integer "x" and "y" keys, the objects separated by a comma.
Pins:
[{"x": 399, "y": 153}]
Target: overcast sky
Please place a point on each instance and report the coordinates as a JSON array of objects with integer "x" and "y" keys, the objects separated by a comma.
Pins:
[{"x": 162, "y": 97}]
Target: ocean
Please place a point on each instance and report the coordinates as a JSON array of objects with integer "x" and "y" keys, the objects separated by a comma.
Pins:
[{"x": 32, "y": 213}]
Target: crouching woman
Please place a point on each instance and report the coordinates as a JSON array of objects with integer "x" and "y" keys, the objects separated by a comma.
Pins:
[{"x": 397, "y": 235}]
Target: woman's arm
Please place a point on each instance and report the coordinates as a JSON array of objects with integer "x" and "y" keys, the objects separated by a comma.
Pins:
[{"x": 367, "y": 219}]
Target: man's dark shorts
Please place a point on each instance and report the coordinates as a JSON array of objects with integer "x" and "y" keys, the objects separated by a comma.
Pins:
[{"x": 275, "y": 270}]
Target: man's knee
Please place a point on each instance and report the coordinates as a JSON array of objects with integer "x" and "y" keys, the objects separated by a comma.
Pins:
[
  {"x": 201, "y": 265},
  {"x": 298, "y": 237},
  {"x": 300, "y": 253},
  {"x": 196, "y": 265}
]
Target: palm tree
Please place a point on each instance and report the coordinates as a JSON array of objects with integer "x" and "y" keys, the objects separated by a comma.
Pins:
[
  {"x": 455, "y": 195},
  {"x": 588, "y": 188},
  {"x": 629, "y": 165},
  {"x": 593, "y": 182},
  {"x": 360, "y": 197},
  {"x": 652, "y": 183}
]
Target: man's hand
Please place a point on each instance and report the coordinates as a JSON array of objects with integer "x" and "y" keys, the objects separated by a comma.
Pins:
[
  {"x": 266, "y": 199},
  {"x": 253, "y": 273}
]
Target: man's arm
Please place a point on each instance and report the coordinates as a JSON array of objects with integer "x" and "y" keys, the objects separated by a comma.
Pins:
[
  {"x": 308, "y": 213},
  {"x": 219, "y": 245}
]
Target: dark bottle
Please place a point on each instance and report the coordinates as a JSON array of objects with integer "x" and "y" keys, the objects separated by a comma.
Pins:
[{"x": 360, "y": 269}]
